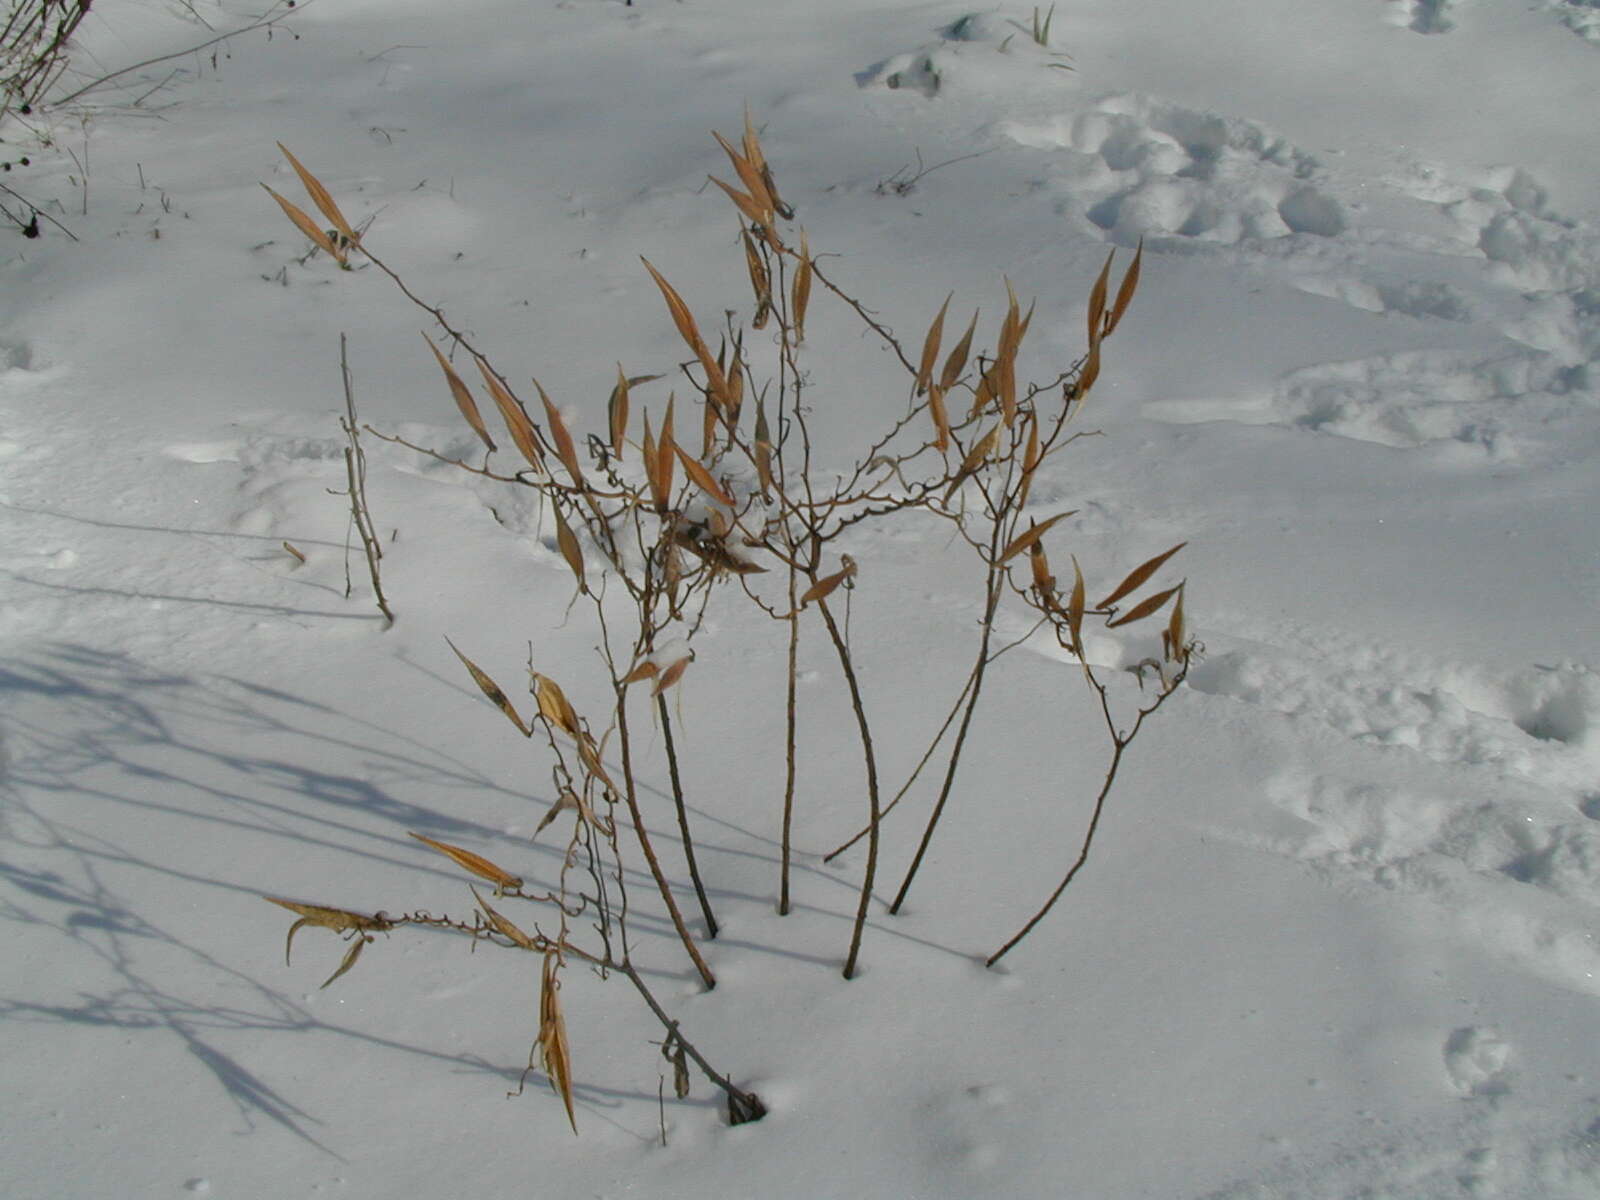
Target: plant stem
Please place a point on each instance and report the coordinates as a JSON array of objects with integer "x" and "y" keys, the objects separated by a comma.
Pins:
[
  {"x": 991, "y": 603},
  {"x": 630, "y": 795},
  {"x": 683, "y": 815},
  {"x": 874, "y": 811},
  {"x": 743, "y": 1106},
  {"x": 789, "y": 751}
]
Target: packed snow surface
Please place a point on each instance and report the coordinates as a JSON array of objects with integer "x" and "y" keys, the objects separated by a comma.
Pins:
[{"x": 1338, "y": 934}]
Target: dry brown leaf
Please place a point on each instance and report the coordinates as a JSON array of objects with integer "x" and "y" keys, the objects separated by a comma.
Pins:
[
  {"x": 825, "y": 587},
  {"x": 746, "y": 204},
  {"x": 1145, "y": 607},
  {"x": 553, "y": 1051},
  {"x": 1075, "y": 606},
  {"x": 1130, "y": 281},
  {"x": 941, "y": 418},
  {"x": 1139, "y": 574},
  {"x": 554, "y": 706},
  {"x": 716, "y": 385},
  {"x": 1173, "y": 639},
  {"x": 749, "y": 175},
  {"x": 760, "y": 281},
  {"x": 802, "y": 289},
  {"x": 644, "y": 670},
  {"x": 463, "y": 396},
  {"x": 930, "y": 347},
  {"x": 1028, "y": 540},
  {"x": 296, "y": 551},
  {"x": 516, "y": 420},
  {"x": 975, "y": 458},
  {"x": 671, "y": 675},
  {"x": 617, "y": 412},
  {"x": 1043, "y": 581},
  {"x": 957, "y": 362},
  {"x": 492, "y": 690},
  {"x": 503, "y": 925},
  {"x": 308, "y": 227},
  {"x": 1097, "y": 302},
  {"x": 567, "y": 543},
  {"x": 320, "y": 196},
  {"x": 566, "y": 451},
  {"x": 703, "y": 478},
  {"x": 1030, "y": 459},
  {"x": 479, "y": 866},
  {"x": 666, "y": 454}
]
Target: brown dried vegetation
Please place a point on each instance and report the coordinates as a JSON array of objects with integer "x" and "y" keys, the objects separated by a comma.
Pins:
[{"x": 647, "y": 547}]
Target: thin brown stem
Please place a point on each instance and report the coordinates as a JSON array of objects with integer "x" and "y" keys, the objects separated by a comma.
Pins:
[
  {"x": 630, "y": 796},
  {"x": 873, "y": 809},
  {"x": 683, "y": 815}
]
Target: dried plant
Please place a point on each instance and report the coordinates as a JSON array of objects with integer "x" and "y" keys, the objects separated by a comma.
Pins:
[{"x": 652, "y": 524}]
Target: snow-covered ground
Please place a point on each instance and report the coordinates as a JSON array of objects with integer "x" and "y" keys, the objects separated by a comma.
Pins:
[{"x": 1338, "y": 936}]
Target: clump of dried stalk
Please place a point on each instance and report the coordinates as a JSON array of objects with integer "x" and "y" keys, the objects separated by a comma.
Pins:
[
  {"x": 355, "y": 469},
  {"x": 651, "y": 520}
]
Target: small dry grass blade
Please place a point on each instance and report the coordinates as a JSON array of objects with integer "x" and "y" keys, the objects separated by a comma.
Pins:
[
  {"x": 503, "y": 880},
  {"x": 320, "y": 196},
  {"x": 1145, "y": 608},
  {"x": 930, "y": 347},
  {"x": 566, "y": 451},
  {"x": 1139, "y": 574},
  {"x": 1028, "y": 540},
  {"x": 957, "y": 362},
  {"x": 1130, "y": 281},
  {"x": 308, "y": 227},
  {"x": 553, "y": 1051},
  {"x": 492, "y": 690},
  {"x": 523, "y": 435},
  {"x": 463, "y": 396}
]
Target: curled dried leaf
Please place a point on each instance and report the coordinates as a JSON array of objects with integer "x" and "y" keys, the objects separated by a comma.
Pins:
[
  {"x": 643, "y": 671},
  {"x": 1075, "y": 606},
  {"x": 492, "y": 690},
  {"x": 749, "y": 175},
  {"x": 503, "y": 880}
]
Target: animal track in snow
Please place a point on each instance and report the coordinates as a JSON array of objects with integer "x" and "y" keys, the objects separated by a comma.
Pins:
[
  {"x": 1424, "y": 16},
  {"x": 1143, "y": 168},
  {"x": 1476, "y": 1059}
]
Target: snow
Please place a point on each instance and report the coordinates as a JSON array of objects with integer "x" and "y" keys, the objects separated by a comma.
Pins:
[{"x": 1337, "y": 936}]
